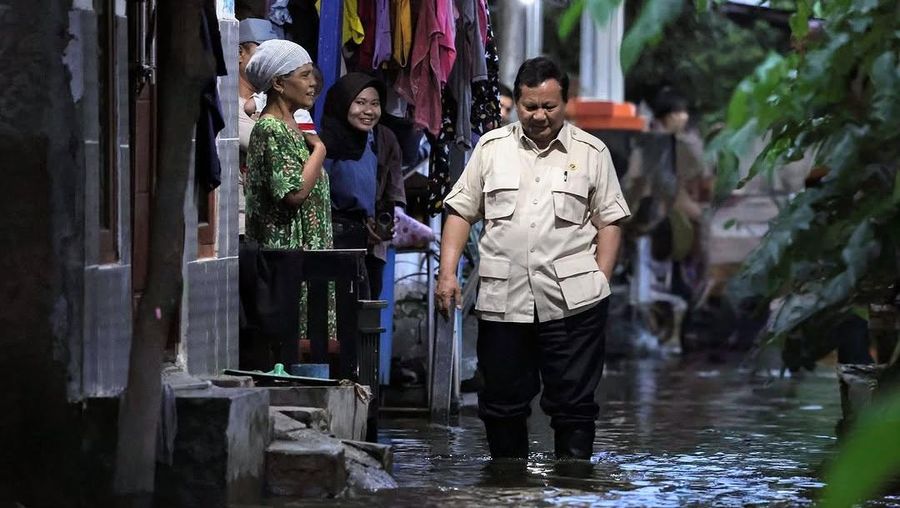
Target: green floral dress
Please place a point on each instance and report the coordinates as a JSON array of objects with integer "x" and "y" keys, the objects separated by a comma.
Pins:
[{"x": 275, "y": 160}]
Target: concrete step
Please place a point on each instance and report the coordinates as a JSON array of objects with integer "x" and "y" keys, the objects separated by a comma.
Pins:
[
  {"x": 384, "y": 454},
  {"x": 345, "y": 408},
  {"x": 218, "y": 455},
  {"x": 311, "y": 466},
  {"x": 287, "y": 419}
]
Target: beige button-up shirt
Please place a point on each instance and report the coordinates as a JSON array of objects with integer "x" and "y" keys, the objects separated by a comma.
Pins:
[{"x": 542, "y": 210}]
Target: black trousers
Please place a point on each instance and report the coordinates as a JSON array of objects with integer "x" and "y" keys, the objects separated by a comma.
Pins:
[{"x": 565, "y": 354}]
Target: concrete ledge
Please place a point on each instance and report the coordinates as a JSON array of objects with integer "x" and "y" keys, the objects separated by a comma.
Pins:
[
  {"x": 384, "y": 454},
  {"x": 312, "y": 417},
  {"x": 219, "y": 450},
  {"x": 312, "y": 466},
  {"x": 345, "y": 410}
]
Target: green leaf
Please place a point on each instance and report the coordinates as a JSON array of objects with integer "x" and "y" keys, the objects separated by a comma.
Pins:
[
  {"x": 885, "y": 76},
  {"x": 648, "y": 27},
  {"x": 570, "y": 19},
  {"x": 817, "y": 296},
  {"x": 869, "y": 457},
  {"x": 865, "y": 6},
  {"x": 602, "y": 10},
  {"x": 841, "y": 150},
  {"x": 730, "y": 223},
  {"x": 819, "y": 62},
  {"x": 799, "y": 21},
  {"x": 753, "y": 92}
]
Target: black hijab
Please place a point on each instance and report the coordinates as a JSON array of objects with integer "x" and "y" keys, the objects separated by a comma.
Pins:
[{"x": 343, "y": 141}]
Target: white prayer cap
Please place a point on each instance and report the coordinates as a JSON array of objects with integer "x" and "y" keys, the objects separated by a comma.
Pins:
[{"x": 274, "y": 58}]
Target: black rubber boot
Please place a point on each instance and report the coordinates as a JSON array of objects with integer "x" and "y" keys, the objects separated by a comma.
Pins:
[
  {"x": 574, "y": 442},
  {"x": 507, "y": 438}
]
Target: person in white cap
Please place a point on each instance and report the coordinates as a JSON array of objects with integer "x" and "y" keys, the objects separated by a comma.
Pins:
[{"x": 288, "y": 195}]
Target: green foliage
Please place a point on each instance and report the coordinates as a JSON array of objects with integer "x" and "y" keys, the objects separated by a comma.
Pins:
[
  {"x": 836, "y": 246},
  {"x": 647, "y": 29},
  {"x": 570, "y": 19},
  {"x": 697, "y": 50},
  {"x": 837, "y": 98},
  {"x": 869, "y": 457},
  {"x": 600, "y": 10}
]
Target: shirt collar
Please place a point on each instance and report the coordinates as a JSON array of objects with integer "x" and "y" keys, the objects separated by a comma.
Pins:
[{"x": 562, "y": 139}]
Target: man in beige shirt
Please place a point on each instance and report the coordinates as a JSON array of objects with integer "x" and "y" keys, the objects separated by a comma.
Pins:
[{"x": 549, "y": 197}]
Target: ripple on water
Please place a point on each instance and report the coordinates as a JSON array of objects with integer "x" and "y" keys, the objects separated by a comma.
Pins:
[{"x": 665, "y": 438}]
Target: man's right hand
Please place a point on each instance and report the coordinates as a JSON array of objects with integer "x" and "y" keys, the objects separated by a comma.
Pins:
[{"x": 447, "y": 293}]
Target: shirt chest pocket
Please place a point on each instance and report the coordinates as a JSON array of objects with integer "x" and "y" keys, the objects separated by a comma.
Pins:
[
  {"x": 500, "y": 192},
  {"x": 570, "y": 195}
]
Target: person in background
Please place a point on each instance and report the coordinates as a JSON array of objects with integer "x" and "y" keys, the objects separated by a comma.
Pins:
[
  {"x": 507, "y": 113},
  {"x": 670, "y": 115},
  {"x": 548, "y": 194},
  {"x": 288, "y": 198},
  {"x": 364, "y": 169},
  {"x": 251, "y": 33}
]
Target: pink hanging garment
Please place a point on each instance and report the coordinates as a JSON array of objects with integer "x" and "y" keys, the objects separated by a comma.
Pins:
[{"x": 433, "y": 55}]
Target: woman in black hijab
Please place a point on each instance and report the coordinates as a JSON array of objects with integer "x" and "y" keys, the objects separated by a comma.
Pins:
[{"x": 363, "y": 165}]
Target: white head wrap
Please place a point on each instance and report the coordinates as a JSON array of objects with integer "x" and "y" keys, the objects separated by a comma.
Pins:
[{"x": 274, "y": 58}]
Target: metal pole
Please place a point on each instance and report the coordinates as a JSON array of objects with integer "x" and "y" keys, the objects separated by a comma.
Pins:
[
  {"x": 534, "y": 33},
  {"x": 512, "y": 40},
  {"x": 600, "y": 68}
]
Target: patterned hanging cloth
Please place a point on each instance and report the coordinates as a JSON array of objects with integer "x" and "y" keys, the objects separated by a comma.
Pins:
[{"x": 485, "y": 115}]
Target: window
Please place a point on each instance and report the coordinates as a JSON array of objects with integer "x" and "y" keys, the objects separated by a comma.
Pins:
[
  {"x": 108, "y": 199},
  {"x": 206, "y": 223}
]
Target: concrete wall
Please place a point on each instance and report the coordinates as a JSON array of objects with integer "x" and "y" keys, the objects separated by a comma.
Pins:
[
  {"x": 101, "y": 368},
  {"x": 42, "y": 261},
  {"x": 65, "y": 318},
  {"x": 209, "y": 325}
]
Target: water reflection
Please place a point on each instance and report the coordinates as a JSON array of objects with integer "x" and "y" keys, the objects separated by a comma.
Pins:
[{"x": 668, "y": 435}]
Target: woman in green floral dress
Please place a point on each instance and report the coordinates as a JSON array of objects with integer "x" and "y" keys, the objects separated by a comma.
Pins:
[{"x": 287, "y": 193}]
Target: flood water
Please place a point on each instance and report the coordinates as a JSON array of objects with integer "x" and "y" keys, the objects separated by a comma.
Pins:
[{"x": 668, "y": 435}]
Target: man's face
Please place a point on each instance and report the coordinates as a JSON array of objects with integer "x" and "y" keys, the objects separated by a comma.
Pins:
[
  {"x": 245, "y": 51},
  {"x": 506, "y": 105},
  {"x": 542, "y": 111}
]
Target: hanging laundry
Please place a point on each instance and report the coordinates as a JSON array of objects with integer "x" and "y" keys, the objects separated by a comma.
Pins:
[
  {"x": 211, "y": 120},
  {"x": 278, "y": 13},
  {"x": 439, "y": 160},
  {"x": 304, "y": 29},
  {"x": 362, "y": 60},
  {"x": 401, "y": 29},
  {"x": 483, "y": 19},
  {"x": 353, "y": 27},
  {"x": 382, "y": 33},
  {"x": 470, "y": 68},
  {"x": 486, "y": 94},
  {"x": 433, "y": 55},
  {"x": 485, "y": 115}
]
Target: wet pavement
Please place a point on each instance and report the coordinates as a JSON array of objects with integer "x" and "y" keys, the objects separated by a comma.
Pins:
[{"x": 668, "y": 435}]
